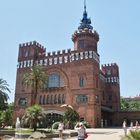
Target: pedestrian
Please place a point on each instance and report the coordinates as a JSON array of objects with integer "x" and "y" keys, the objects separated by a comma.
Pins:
[
  {"x": 81, "y": 129},
  {"x": 137, "y": 124},
  {"x": 131, "y": 125},
  {"x": 60, "y": 129},
  {"x": 125, "y": 128}
]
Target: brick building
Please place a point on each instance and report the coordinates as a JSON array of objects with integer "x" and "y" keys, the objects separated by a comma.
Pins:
[{"x": 74, "y": 77}]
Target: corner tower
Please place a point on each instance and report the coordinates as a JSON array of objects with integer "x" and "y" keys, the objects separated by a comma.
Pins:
[
  {"x": 85, "y": 38},
  {"x": 111, "y": 72},
  {"x": 87, "y": 93}
]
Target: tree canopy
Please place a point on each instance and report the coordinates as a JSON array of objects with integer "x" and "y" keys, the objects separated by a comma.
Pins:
[
  {"x": 33, "y": 115},
  {"x": 6, "y": 118},
  {"x": 129, "y": 105},
  {"x": 4, "y": 90},
  {"x": 36, "y": 79},
  {"x": 71, "y": 116}
]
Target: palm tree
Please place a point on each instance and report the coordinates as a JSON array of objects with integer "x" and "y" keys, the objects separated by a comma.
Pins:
[
  {"x": 34, "y": 115},
  {"x": 36, "y": 79},
  {"x": 4, "y": 90},
  {"x": 71, "y": 116}
]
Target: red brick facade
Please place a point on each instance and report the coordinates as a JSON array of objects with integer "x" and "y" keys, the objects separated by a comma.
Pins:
[{"x": 78, "y": 79}]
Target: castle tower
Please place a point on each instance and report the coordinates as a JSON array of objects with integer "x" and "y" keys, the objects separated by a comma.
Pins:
[
  {"x": 31, "y": 51},
  {"x": 85, "y": 41},
  {"x": 111, "y": 72},
  {"x": 29, "y": 54},
  {"x": 85, "y": 38}
]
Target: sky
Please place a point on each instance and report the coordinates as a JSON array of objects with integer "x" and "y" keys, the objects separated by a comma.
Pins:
[{"x": 52, "y": 22}]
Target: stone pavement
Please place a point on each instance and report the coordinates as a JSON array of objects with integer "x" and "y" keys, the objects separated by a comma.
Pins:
[{"x": 103, "y": 134}]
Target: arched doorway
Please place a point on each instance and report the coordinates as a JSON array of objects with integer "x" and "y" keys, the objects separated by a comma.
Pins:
[{"x": 53, "y": 116}]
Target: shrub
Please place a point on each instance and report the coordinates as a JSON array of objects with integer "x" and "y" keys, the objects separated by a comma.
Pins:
[{"x": 133, "y": 135}]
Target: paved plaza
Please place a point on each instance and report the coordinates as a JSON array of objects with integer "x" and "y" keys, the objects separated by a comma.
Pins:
[
  {"x": 103, "y": 134},
  {"x": 93, "y": 134}
]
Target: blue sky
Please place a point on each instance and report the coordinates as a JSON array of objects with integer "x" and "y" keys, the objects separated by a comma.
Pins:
[{"x": 52, "y": 22}]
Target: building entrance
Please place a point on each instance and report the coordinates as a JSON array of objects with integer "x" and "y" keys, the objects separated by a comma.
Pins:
[{"x": 52, "y": 118}]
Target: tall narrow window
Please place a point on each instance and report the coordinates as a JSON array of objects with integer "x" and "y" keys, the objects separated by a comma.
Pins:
[
  {"x": 51, "y": 100},
  {"x": 59, "y": 99},
  {"x": 81, "y": 44},
  {"x": 55, "y": 99},
  {"x": 63, "y": 98},
  {"x": 48, "y": 99},
  {"x": 40, "y": 100},
  {"x": 81, "y": 81},
  {"x": 44, "y": 100}
]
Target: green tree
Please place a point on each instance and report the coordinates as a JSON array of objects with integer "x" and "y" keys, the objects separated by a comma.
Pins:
[
  {"x": 6, "y": 118},
  {"x": 124, "y": 104},
  {"x": 34, "y": 115},
  {"x": 134, "y": 105},
  {"x": 131, "y": 105},
  {"x": 36, "y": 79},
  {"x": 71, "y": 116},
  {"x": 4, "y": 90}
]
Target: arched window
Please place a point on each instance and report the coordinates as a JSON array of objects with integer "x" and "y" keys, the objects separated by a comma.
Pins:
[
  {"x": 81, "y": 99},
  {"x": 44, "y": 100},
  {"x": 48, "y": 100},
  {"x": 81, "y": 81},
  {"x": 51, "y": 100},
  {"x": 55, "y": 99},
  {"x": 53, "y": 80},
  {"x": 40, "y": 99},
  {"x": 22, "y": 102},
  {"x": 63, "y": 99},
  {"x": 59, "y": 99},
  {"x": 81, "y": 44}
]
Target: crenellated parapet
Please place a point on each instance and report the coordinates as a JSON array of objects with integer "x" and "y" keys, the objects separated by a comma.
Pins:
[
  {"x": 60, "y": 57},
  {"x": 32, "y": 43},
  {"x": 109, "y": 65},
  {"x": 87, "y": 32},
  {"x": 111, "y": 72},
  {"x": 31, "y": 50}
]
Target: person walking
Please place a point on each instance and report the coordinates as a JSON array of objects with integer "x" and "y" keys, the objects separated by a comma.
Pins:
[
  {"x": 137, "y": 125},
  {"x": 60, "y": 129},
  {"x": 125, "y": 128},
  {"x": 81, "y": 129},
  {"x": 131, "y": 125}
]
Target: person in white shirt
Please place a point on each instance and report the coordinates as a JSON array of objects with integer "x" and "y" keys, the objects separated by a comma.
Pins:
[
  {"x": 125, "y": 128},
  {"x": 81, "y": 129},
  {"x": 60, "y": 129}
]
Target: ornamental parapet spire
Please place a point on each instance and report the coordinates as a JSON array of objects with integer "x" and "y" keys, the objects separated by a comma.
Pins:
[{"x": 85, "y": 22}]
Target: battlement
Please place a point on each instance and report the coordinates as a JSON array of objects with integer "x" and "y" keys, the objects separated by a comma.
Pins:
[
  {"x": 111, "y": 72},
  {"x": 32, "y": 43},
  {"x": 59, "y": 57},
  {"x": 59, "y": 52},
  {"x": 86, "y": 31},
  {"x": 109, "y": 65}
]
